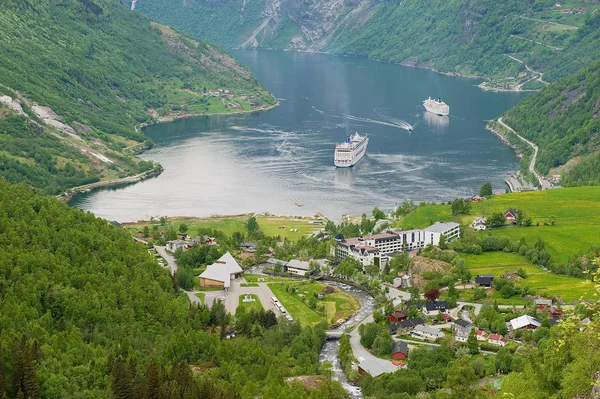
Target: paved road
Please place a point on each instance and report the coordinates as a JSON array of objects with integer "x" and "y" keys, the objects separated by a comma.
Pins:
[
  {"x": 543, "y": 183},
  {"x": 263, "y": 292},
  {"x": 360, "y": 353},
  {"x": 168, "y": 257}
]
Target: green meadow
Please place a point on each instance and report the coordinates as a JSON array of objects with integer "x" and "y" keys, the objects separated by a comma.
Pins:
[
  {"x": 576, "y": 212},
  {"x": 290, "y": 227},
  {"x": 338, "y": 305}
]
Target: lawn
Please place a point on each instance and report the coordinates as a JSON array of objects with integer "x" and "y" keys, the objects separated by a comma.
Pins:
[
  {"x": 271, "y": 225},
  {"x": 339, "y": 305},
  {"x": 256, "y": 305},
  {"x": 292, "y": 303},
  {"x": 492, "y": 259}
]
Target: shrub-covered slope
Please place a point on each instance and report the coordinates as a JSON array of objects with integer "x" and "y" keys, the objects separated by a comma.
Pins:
[{"x": 564, "y": 121}]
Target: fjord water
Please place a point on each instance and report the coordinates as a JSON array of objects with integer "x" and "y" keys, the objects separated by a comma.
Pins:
[{"x": 281, "y": 161}]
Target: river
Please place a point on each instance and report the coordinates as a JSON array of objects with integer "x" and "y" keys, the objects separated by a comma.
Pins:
[
  {"x": 281, "y": 161},
  {"x": 329, "y": 351}
]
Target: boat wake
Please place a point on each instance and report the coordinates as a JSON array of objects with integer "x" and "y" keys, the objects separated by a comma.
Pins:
[{"x": 392, "y": 122}]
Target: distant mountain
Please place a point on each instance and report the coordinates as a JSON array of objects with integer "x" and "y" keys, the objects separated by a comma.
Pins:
[
  {"x": 564, "y": 121},
  {"x": 467, "y": 37},
  {"x": 78, "y": 77}
]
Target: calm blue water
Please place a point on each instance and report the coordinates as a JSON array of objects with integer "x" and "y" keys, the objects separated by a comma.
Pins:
[{"x": 277, "y": 160}]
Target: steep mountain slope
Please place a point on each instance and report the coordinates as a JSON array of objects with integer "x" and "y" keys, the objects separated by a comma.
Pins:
[
  {"x": 469, "y": 37},
  {"x": 91, "y": 71},
  {"x": 87, "y": 313},
  {"x": 564, "y": 121}
]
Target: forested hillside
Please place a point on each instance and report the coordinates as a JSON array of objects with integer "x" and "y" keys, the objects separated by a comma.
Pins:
[
  {"x": 87, "y": 313},
  {"x": 469, "y": 37},
  {"x": 564, "y": 121},
  {"x": 78, "y": 76}
]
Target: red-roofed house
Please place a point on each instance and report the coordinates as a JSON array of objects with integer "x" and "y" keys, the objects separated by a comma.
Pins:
[
  {"x": 398, "y": 315},
  {"x": 497, "y": 339},
  {"x": 481, "y": 335}
]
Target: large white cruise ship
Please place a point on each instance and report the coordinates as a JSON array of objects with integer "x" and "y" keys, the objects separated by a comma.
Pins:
[
  {"x": 351, "y": 151},
  {"x": 437, "y": 107}
]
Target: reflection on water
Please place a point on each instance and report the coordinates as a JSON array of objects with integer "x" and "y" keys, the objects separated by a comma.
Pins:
[
  {"x": 270, "y": 161},
  {"x": 439, "y": 123},
  {"x": 345, "y": 177}
]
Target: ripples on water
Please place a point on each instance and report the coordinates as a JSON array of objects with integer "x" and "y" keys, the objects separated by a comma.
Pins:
[{"x": 270, "y": 161}]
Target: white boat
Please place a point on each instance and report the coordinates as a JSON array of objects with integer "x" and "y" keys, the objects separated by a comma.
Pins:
[
  {"x": 351, "y": 151},
  {"x": 437, "y": 107}
]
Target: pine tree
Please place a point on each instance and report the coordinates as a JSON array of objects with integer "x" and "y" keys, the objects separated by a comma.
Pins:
[{"x": 152, "y": 382}]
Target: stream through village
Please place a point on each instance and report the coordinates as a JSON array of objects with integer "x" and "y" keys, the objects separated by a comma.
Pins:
[{"x": 329, "y": 351}]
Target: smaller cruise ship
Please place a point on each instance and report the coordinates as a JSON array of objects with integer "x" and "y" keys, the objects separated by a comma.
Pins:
[
  {"x": 437, "y": 107},
  {"x": 351, "y": 151}
]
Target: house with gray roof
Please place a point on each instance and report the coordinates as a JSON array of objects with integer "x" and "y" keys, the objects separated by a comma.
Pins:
[
  {"x": 462, "y": 329},
  {"x": 298, "y": 267},
  {"x": 427, "y": 332}
]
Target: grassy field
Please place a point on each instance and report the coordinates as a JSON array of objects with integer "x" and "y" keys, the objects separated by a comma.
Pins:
[
  {"x": 493, "y": 259},
  {"x": 256, "y": 305},
  {"x": 576, "y": 212},
  {"x": 338, "y": 305},
  {"x": 291, "y": 227},
  {"x": 544, "y": 283}
]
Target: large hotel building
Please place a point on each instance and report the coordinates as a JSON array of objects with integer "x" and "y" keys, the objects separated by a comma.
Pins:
[{"x": 378, "y": 247}]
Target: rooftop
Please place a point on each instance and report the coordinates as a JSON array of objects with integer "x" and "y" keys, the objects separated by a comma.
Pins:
[
  {"x": 376, "y": 368},
  {"x": 524, "y": 321},
  {"x": 442, "y": 227},
  {"x": 400, "y": 346},
  {"x": 298, "y": 264}
]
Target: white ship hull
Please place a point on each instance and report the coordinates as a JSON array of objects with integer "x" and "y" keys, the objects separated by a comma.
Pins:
[
  {"x": 436, "y": 107},
  {"x": 348, "y": 154}
]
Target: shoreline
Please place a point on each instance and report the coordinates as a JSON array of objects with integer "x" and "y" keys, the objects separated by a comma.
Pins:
[
  {"x": 67, "y": 196},
  {"x": 172, "y": 118},
  {"x": 503, "y": 138},
  {"x": 432, "y": 69}
]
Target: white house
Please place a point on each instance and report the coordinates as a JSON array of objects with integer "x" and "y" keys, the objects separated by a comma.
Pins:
[
  {"x": 435, "y": 308},
  {"x": 481, "y": 335},
  {"x": 479, "y": 223},
  {"x": 462, "y": 329},
  {"x": 175, "y": 244},
  {"x": 427, "y": 332},
  {"x": 298, "y": 267},
  {"x": 497, "y": 339}
]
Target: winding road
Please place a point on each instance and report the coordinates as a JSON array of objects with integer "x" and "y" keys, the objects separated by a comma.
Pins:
[{"x": 543, "y": 183}]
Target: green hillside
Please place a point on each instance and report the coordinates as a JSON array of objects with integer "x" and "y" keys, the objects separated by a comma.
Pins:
[
  {"x": 563, "y": 120},
  {"x": 575, "y": 211},
  {"x": 455, "y": 36},
  {"x": 89, "y": 72},
  {"x": 87, "y": 313}
]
